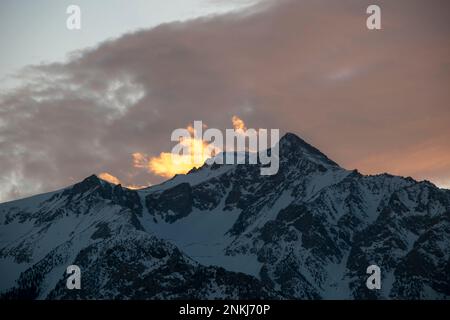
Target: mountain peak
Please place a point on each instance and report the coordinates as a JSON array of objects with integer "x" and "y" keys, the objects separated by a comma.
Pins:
[
  {"x": 290, "y": 143},
  {"x": 291, "y": 137}
]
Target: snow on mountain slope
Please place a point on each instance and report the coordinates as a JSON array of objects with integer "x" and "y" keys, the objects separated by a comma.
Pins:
[
  {"x": 94, "y": 225},
  {"x": 308, "y": 232}
]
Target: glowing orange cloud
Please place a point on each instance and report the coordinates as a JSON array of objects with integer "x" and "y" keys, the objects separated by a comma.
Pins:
[
  {"x": 169, "y": 164},
  {"x": 238, "y": 124},
  {"x": 109, "y": 178},
  {"x": 114, "y": 180},
  {"x": 134, "y": 187}
]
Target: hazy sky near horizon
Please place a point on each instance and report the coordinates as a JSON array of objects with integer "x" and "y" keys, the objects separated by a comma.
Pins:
[{"x": 378, "y": 101}]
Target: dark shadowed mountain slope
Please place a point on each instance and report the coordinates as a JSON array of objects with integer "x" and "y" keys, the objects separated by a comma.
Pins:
[{"x": 225, "y": 231}]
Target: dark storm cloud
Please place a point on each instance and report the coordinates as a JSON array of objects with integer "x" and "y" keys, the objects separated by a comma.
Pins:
[{"x": 373, "y": 100}]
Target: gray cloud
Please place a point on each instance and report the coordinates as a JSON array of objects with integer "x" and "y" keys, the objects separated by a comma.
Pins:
[{"x": 373, "y": 100}]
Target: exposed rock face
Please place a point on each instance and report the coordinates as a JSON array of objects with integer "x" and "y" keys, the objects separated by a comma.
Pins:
[{"x": 225, "y": 231}]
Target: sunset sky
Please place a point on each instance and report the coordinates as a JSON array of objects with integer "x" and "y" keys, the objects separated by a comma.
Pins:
[{"x": 375, "y": 100}]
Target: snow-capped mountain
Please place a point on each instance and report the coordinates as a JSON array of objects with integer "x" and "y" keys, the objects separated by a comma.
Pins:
[{"x": 225, "y": 231}]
